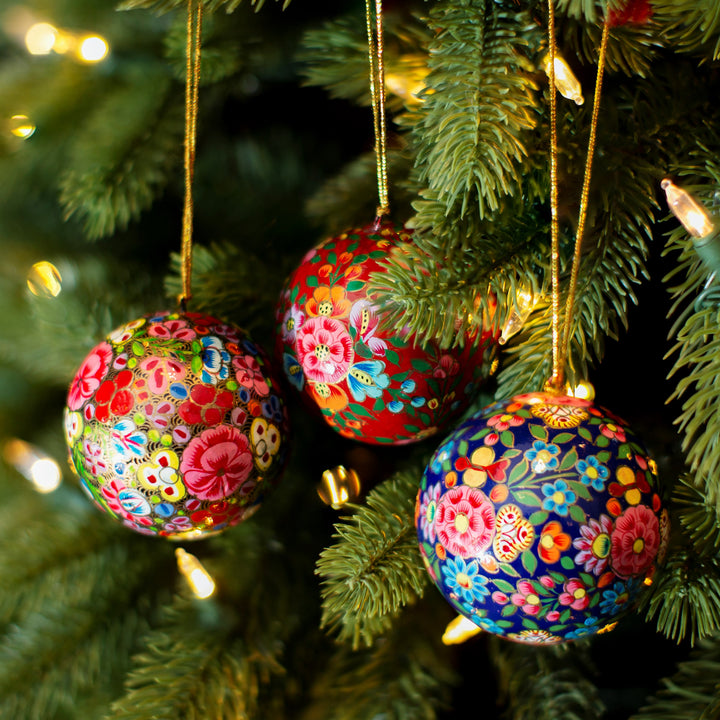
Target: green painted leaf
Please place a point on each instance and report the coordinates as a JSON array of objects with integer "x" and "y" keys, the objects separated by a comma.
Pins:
[
  {"x": 529, "y": 624},
  {"x": 363, "y": 350},
  {"x": 399, "y": 377},
  {"x": 392, "y": 357},
  {"x": 584, "y": 433},
  {"x": 421, "y": 365},
  {"x": 602, "y": 441},
  {"x": 196, "y": 364},
  {"x": 578, "y": 514},
  {"x": 508, "y": 610},
  {"x": 332, "y": 258},
  {"x": 589, "y": 580},
  {"x": 507, "y": 438},
  {"x": 480, "y": 434},
  {"x": 538, "y": 517},
  {"x": 603, "y": 456},
  {"x": 519, "y": 471},
  {"x": 315, "y": 259},
  {"x": 557, "y": 577},
  {"x": 569, "y": 460},
  {"x": 529, "y": 561},
  {"x": 360, "y": 410},
  {"x": 580, "y": 489},
  {"x": 563, "y": 437},
  {"x": 412, "y": 428},
  {"x": 425, "y": 418},
  {"x": 527, "y": 497},
  {"x": 138, "y": 349},
  {"x": 294, "y": 292},
  {"x": 539, "y": 432},
  {"x": 378, "y": 254},
  {"x": 361, "y": 258},
  {"x": 565, "y": 615},
  {"x": 354, "y": 285},
  {"x": 379, "y": 405},
  {"x": 503, "y": 585},
  {"x": 567, "y": 562},
  {"x": 462, "y": 448},
  {"x": 311, "y": 281},
  {"x": 508, "y": 569},
  {"x": 624, "y": 451}
]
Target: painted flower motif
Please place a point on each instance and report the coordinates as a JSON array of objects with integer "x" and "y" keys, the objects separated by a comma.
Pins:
[
  {"x": 465, "y": 521},
  {"x": 536, "y": 637},
  {"x": 543, "y": 456},
  {"x": 219, "y": 514},
  {"x": 629, "y": 483},
  {"x": 574, "y": 594},
  {"x": 293, "y": 371},
  {"x": 159, "y": 414},
  {"x": 113, "y": 397},
  {"x": 559, "y": 416},
  {"x": 127, "y": 503},
  {"x": 215, "y": 359},
  {"x": 265, "y": 441},
  {"x": 161, "y": 475},
  {"x": 89, "y": 376},
  {"x": 161, "y": 372},
  {"x": 292, "y": 320},
  {"x": 482, "y": 465},
  {"x": 447, "y": 367},
  {"x": 526, "y": 598},
  {"x": 365, "y": 321},
  {"x": 127, "y": 441},
  {"x": 513, "y": 533},
  {"x": 272, "y": 409},
  {"x": 463, "y": 579},
  {"x": 206, "y": 405},
  {"x": 73, "y": 426},
  {"x": 442, "y": 454},
  {"x": 329, "y": 396},
  {"x": 553, "y": 542},
  {"x": 325, "y": 350},
  {"x": 428, "y": 510},
  {"x": 589, "y": 627},
  {"x": 367, "y": 379},
  {"x": 328, "y": 302},
  {"x": 180, "y": 523},
  {"x": 171, "y": 330},
  {"x": 558, "y": 497},
  {"x": 614, "y": 599},
  {"x": 635, "y": 541},
  {"x": 505, "y": 421},
  {"x": 250, "y": 375},
  {"x": 613, "y": 432},
  {"x": 216, "y": 463},
  {"x": 593, "y": 472},
  {"x": 121, "y": 335},
  {"x": 487, "y": 624},
  {"x": 94, "y": 458},
  {"x": 594, "y": 545}
]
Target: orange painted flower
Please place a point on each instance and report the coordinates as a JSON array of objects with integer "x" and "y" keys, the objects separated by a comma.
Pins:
[
  {"x": 552, "y": 542},
  {"x": 328, "y": 302},
  {"x": 329, "y": 396}
]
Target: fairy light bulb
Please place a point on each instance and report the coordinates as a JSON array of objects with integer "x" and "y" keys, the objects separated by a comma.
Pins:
[
  {"x": 525, "y": 302},
  {"x": 44, "y": 279},
  {"x": 32, "y": 463},
  {"x": 198, "y": 578},
  {"x": 565, "y": 81},
  {"x": 584, "y": 390},
  {"x": 409, "y": 80},
  {"x": 40, "y": 38},
  {"x": 92, "y": 49},
  {"x": 687, "y": 210},
  {"x": 339, "y": 486},
  {"x": 21, "y": 127},
  {"x": 459, "y": 630}
]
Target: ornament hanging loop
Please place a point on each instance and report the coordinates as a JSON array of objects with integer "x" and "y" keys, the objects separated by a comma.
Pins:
[
  {"x": 192, "y": 85},
  {"x": 377, "y": 99}
]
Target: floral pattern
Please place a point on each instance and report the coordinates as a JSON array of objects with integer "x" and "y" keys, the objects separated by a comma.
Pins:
[
  {"x": 549, "y": 530},
  {"x": 175, "y": 425},
  {"x": 371, "y": 383}
]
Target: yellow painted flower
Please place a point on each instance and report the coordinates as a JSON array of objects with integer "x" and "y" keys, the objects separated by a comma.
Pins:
[{"x": 161, "y": 475}]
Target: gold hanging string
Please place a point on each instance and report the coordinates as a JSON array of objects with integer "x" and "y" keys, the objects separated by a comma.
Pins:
[
  {"x": 560, "y": 343},
  {"x": 377, "y": 98},
  {"x": 192, "y": 85}
]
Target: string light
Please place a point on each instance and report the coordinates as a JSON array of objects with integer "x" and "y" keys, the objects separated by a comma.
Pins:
[
  {"x": 409, "y": 80},
  {"x": 92, "y": 49},
  {"x": 44, "y": 279},
  {"x": 687, "y": 210},
  {"x": 525, "y": 302},
  {"x": 43, "y": 38},
  {"x": 21, "y": 127},
  {"x": 459, "y": 630},
  {"x": 339, "y": 486},
  {"x": 565, "y": 81},
  {"x": 40, "y": 38},
  {"x": 584, "y": 390},
  {"x": 32, "y": 463},
  {"x": 198, "y": 578}
]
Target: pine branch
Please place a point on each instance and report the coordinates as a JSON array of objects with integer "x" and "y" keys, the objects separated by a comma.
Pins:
[
  {"x": 691, "y": 26},
  {"x": 698, "y": 515},
  {"x": 374, "y": 568},
  {"x": 693, "y": 693},
  {"x": 210, "y": 5}
]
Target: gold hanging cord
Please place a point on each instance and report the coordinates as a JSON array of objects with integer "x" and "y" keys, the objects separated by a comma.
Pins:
[
  {"x": 377, "y": 97},
  {"x": 560, "y": 342},
  {"x": 192, "y": 84}
]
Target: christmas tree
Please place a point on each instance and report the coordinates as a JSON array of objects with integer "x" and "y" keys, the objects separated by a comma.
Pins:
[{"x": 320, "y": 611}]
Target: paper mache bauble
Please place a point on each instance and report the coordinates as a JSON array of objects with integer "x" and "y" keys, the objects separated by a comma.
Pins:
[
  {"x": 370, "y": 383},
  {"x": 175, "y": 425},
  {"x": 540, "y": 520}
]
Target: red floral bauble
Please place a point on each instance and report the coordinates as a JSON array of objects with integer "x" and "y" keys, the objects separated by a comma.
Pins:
[
  {"x": 175, "y": 425},
  {"x": 372, "y": 384}
]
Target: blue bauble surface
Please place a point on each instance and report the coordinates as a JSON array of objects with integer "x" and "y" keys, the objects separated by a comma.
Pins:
[{"x": 540, "y": 518}]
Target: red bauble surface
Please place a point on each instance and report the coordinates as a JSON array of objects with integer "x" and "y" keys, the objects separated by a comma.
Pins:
[{"x": 371, "y": 383}]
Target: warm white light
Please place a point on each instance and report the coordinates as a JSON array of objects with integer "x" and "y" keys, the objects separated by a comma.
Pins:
[
  {"x": 339, "y": 486},
  {"x": 583, "y": 390},
  {"x": 459, "y": 630},
  {"x": 40, "y": 38},
  {"x": 92, "y": 49},
  {"x": 525, "y": 301},
  {"x": 44, "y": 279},
  {"x": 31, "y": 462},
  {"x": 687, "y": 210},
  {"x": 565, "y": 81},
  {"x": 45, "y": 475},
  {"x": 21, "y": 127},
  {"x": 198, "y": 578}
]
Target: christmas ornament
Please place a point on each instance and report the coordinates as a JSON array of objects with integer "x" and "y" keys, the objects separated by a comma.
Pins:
[
  {"x": 371, "y": 383},
  {"x": 539, "y": 518},
  {"x": 175, "y": 425}
]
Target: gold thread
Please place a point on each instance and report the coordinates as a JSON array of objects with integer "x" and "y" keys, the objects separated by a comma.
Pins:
[
  {"x": 192, "y": 85},
  {"x": 560, "y": 342},
  {"x": 377, "y": 98}
]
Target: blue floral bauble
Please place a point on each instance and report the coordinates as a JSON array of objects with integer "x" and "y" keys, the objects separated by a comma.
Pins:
[{"x": 540, "y": 518}]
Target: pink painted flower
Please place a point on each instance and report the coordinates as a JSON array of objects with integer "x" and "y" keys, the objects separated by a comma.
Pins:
[
  {"x": 292, "y": 320},
  {"x": 94, "y": 458},
  {"x": 526, "y": 598},
  {"x": 216, "y": 463},
  {"x": 325, "y": 349},
  {"x": 162, "y": 371},
  {"x": 249, "y": 374},
  {"x": 175, "y": 329},
  {"x": 428, "y": 510},
  {"x": 465, "y": 521},
  {"x": 366, "y": 322},
  {"x": 594, "y": 545},
  {"x": 446, "y": 367},
  {"x": 504, "y": 421},
  {"x": 129, "y": 504},
  {"x": 575, "y": 594},
  {"x": 635, "y": 541},
  {"x": 613, "y": 431},
  {"x": 90, "y": 375}
]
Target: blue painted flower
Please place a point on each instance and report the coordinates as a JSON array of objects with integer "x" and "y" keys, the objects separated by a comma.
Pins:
[
  {"x": 593, "y": 472},
  {"x": 293, "y": 371},
  {"x": 127, "y": 440},
  {"x": 395, "y": 406},
  {"x": 272, "y": 409},
  {"x": 464, "y": 580},
  {"x": 617, "y": 597},
  {"x": 587, "y": 628},
  {"x": 442, "y": 454},
  {"x": 417, "y": 401},
  {"x": 407, "y": 386},
  {"x": 543, "y": 456},
  {"x": 488, "y": 624},
  {"x": 558, "y": 497},
  {"x": 367, "y": 379},
  {"x": 215, "y": 360}
]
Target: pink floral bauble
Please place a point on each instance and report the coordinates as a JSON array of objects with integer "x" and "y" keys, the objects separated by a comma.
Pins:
[
  {"x": 371, "y": 383},
  {"x": 175, "y": 425}
]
